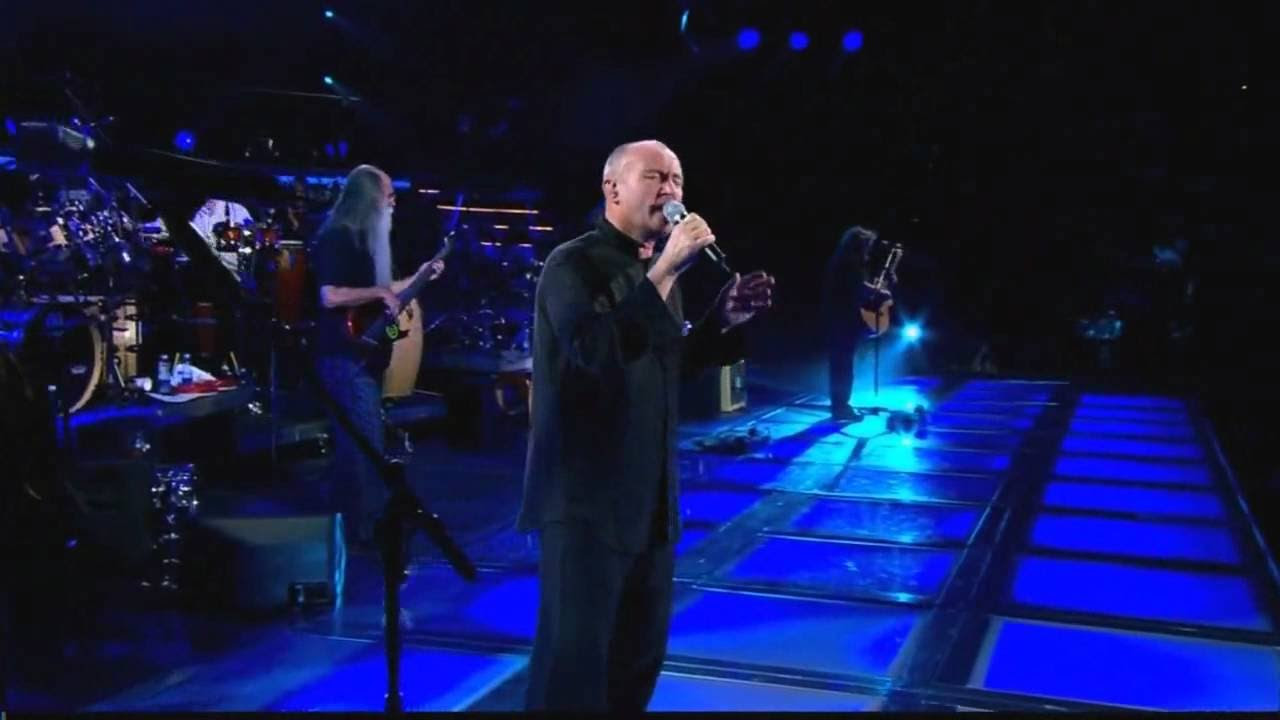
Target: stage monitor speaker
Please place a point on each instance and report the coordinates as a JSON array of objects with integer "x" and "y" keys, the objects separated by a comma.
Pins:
[
  {"x": 717, "y": 390},
  {"x": 267, "y": 563},
  {"x": 114, "y": 510},
  {"x": 733, "y": 386}
]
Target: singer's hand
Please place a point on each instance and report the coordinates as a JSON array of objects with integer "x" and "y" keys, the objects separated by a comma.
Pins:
[
  {"x": 744, "y": 296},
  {"x": 686, "y": 241}
]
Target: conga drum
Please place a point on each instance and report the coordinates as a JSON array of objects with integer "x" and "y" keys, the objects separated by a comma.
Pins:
[
  {"x": 291, "y": 281},
  {"x": 401, "y": 376}
]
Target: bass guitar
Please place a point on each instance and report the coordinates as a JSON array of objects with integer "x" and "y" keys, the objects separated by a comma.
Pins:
[
  {"x": 876, "y": 317},
  {"x": 371, "y": 327}
]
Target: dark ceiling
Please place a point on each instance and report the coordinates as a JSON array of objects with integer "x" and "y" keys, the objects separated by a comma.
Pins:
[{"x": 981, "y": 120}]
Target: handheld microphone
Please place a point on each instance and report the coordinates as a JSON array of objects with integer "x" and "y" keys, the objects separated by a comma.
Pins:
[{"x": 675, "y": 211}]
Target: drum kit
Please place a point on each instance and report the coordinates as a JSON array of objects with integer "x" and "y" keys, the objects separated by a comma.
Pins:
[
  {"x": 90, "y": 294},
  {"x": 71, "y": 273},
  {"x": 494, "y": 286}
]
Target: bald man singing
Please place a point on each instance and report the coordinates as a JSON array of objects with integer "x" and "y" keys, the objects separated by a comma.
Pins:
[{"x": 601, "y": 484}]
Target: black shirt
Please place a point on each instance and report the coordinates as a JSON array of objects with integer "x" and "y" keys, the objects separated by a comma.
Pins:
[
  {"x": 608, "y": 356},
  {"x": 341, "y": 260}
]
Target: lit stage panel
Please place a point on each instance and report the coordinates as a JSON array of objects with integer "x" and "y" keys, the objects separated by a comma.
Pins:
[
  {"x": 1156, "y": 450},
  {"x": 796, "y": 477},
  {"x": 1145, "y": 593},
  {"x": 1154, "y": 416},
  {"x": 916, "y": 486},
  {"x": 894, "y": 453},
  {"x": 1136, "y": 539},
  {"x": 798, "y": 633},
  {"x": 1131, "y": 428},
  {"x": 844, "y": 569},
  {"x": 1140, "y": 402},
  {"x": 691, "y": 693},
  {"x": 1141, "y": 501},
  {"x": 1130, "y": 669},
  {"x": 893, "y": 522},
  {"x": 716, "y": 507},
  {"x": 1094, "y": 467},
  {"x": 430, "y": 680}
]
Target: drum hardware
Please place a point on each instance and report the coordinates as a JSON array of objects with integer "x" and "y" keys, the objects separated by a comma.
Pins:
[{"x": 173, "y": 498}]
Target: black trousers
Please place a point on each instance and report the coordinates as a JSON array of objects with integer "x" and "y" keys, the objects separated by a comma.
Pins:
[
  {"x": 602, "y": 623},
  {"x": 841, "y": 347}
]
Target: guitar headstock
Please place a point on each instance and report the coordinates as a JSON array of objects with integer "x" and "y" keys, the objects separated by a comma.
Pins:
[{"x": 446, "y": 246}]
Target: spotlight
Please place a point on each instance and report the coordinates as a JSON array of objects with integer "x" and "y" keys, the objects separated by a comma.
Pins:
[
  {"x": 184, "y": 141},
  {"x": 11, "y": 127},
  {"x": 852, "y": 41},
  {"x": 328, "y": 80},
  {"x": 911, "y": 332},
  {"x": 684, "y": 21},
  {"x": 342, "y": 149},
  {"x": 328, "y": 14},
  {"x": 798, "y": 40},
  {"x": 748, "y": 39}
]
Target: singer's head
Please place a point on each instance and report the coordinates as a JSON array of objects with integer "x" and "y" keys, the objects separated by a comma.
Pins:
[{"x": 639, "y": 178}]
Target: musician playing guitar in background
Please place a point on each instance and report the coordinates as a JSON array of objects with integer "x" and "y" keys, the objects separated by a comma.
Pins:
[
  {"x": 856, "y": 300},
  {"x": 352, "y": 271}
]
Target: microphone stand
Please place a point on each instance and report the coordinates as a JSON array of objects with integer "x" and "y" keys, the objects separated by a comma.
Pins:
[{"x": 404, "y": 514}]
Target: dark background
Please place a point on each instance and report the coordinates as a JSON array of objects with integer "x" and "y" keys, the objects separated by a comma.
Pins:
[{"x": 1030, "y": 155}]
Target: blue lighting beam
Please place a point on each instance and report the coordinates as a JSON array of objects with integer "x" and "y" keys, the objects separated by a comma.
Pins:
[{"x": 748, "y": 39}]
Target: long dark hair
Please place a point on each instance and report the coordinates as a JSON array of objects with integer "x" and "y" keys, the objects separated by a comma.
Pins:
[
  {"x": 357, "y": 205},
  {"x": 855, "y": 243}
]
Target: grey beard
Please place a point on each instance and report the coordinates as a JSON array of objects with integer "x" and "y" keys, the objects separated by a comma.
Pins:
[{"x": 380, "y": 248}]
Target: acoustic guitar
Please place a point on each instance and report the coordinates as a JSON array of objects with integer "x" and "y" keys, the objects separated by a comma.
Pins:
[
  {"x": 371, "y": 328},
  {"x": 876, "y": 317}
]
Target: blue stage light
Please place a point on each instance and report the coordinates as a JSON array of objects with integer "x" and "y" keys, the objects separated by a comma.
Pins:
[
  {"x": 911, "y": 332},
  {"x": 798, "y": 40},
  {"x": 11, "y": 127},
  {"x": 852, "y": 41},
  {"x": 328, "y": 79},
  {"x": 748, "y": 39},
  {"x": 185, "y": 141},
  {"x": 328, "y": 15},
  {"x": 684, "y": 21}
]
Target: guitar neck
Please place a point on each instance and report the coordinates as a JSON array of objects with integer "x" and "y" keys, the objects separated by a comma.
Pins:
[{"x": 411, "y": 292}]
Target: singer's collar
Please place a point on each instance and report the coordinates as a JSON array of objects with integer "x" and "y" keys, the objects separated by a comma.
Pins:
[{"x": 623, "y": 242}]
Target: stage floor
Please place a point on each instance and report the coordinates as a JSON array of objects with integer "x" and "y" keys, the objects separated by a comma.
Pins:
[{"x": 1042, "y": 547}]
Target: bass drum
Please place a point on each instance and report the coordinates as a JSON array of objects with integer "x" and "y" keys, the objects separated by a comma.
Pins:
[
  {"x": 401, "y": 376},
  {"x": 58, "y": 346}
]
